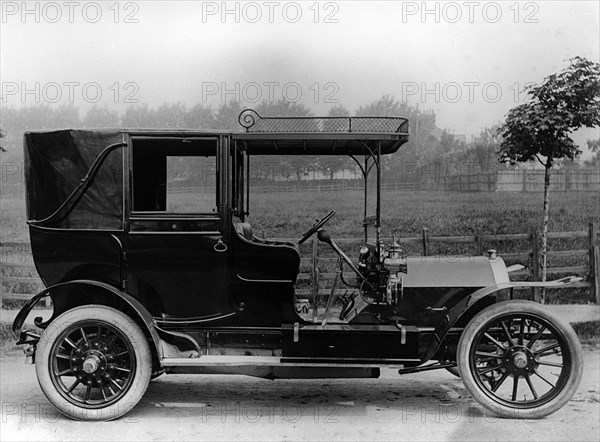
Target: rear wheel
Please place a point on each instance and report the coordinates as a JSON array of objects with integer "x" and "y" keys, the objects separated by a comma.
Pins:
[
  {"x": 93, "y": 363},
  {"x": 519, "y": 360}
]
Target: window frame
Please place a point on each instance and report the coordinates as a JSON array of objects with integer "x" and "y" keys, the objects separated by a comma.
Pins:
[{"x": 130, "y": 172}]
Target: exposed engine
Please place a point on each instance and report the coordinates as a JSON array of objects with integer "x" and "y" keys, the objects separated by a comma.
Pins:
[{"x": 383, "y": 274}]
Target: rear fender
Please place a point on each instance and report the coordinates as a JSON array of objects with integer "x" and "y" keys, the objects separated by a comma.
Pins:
[{"x": 106, "y": 294}]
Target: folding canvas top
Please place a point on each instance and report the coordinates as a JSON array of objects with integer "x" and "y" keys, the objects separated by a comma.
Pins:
[{"x": 57, "y": 164}]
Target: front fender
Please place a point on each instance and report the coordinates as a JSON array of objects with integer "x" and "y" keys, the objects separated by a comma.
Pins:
[
  {"x": 464, "y": 306},
  {"x": 55, "y": 290}
]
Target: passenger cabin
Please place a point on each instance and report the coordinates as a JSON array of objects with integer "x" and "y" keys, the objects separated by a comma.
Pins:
[{"x": 109, "y": 205}]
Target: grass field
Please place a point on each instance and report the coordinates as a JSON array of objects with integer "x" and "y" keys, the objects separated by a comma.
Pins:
[
  {"x": 406, "y": 213},
  {"x": 403, "y": 213}
]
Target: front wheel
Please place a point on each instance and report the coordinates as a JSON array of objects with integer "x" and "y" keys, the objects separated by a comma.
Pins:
[
  {"x": 519, "y": 360},
  {"x": 93, "y": 363}
]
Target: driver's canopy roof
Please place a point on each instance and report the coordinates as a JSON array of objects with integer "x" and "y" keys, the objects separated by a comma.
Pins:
[{"x": 320, "y": 135}]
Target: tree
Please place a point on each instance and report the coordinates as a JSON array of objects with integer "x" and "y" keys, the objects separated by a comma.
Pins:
[
  {"x": 101, "y": 117},
  {"x": 540, "y": 129},
  {"x": 282, "y": 108},
  {"x": 227, "y": 116},
  {"x": 139, "y": 116},
  {"x": 483, "y": 151},
  {"x": 594, "y": 147},
  {"x": 2, "y": 135},
  {"x": 61, "y": 117},
  {"x": 332, "y": 164},
  {"x": 171, "y": 116},
  {"x": 200, "y": 117},
  {"x": 388, "y": 106}
]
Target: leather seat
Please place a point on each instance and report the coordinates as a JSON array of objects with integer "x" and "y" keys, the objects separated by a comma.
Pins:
[{"x": 244, "y": 231}]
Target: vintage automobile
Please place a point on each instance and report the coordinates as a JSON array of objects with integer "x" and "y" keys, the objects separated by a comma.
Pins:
[{"x": 145, "y": 280}]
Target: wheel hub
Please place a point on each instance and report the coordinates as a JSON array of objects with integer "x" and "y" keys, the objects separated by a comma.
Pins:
[
  {"x": 91, "y": 364},
  {"x": 520, "y": 360}
]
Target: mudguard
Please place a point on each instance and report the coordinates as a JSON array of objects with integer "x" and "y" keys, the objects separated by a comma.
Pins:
[
  {"x": 137, "y": 306},
  {"x": 464, "y": 306}
]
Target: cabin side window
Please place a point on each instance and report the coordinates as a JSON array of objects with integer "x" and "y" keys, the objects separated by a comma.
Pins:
[{"x": 171, "y": 175}]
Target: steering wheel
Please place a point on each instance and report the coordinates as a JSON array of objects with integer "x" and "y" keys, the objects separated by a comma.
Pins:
[{"x": 316, "y": 227}]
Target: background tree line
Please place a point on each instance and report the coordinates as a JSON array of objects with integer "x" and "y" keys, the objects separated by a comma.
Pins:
[{"x": 428, "y": 145}]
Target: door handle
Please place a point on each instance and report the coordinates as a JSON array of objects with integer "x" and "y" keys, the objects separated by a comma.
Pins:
[{"x": 220, "y": 246}]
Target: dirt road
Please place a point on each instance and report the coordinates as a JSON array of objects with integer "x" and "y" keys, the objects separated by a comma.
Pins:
[{"x": 426, "y": 406}]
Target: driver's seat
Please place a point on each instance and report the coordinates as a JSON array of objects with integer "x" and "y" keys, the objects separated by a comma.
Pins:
[
  {"x": 261, "y": 261},
  {"x": 244, "y": 231}
]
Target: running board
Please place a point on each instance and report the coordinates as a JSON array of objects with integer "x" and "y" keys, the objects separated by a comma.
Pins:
[{"x": 276, "y": 361}]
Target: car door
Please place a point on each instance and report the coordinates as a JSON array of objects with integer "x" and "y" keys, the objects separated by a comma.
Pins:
[{"x": 177, "y": 254}]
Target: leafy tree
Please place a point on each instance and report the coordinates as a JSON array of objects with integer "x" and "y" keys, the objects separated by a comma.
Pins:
[
  {"x": 200, "y": 117},
  {"x": 540, "y": 129},
  {"x": 594, "y": 147},
  {"x": 139, "y": 117},
  {"x": 282, "y": 108},
  {"x": 62, "y": 117},
  {"x": 171, "y": 116},
  {"x": 449, "y": 144},
  {"x": 483, "y": 151},
  {"x": 227, "y": 115},
  {"x": 338, "y": 111},
  {"x": 335, "y": 163},
  {"x": 388, "y": 106},
  {"x": 101, "y": 117}
]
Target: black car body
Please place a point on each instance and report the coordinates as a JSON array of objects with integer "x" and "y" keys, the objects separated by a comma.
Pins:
[{"x": 145, "y": 280}]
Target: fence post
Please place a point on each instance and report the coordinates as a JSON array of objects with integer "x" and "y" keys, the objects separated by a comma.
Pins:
[
  {"x": 535, "y": 263},
  {"x": 315, "y": 277},
  {"x": 425, "y": 240},
  {"x": 479, "y": 239},
  {"x": 594, "y": 263},
  {"x": 524, "y": 189}
]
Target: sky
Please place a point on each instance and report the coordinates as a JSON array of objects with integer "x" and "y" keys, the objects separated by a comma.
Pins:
[{"x": 467, "y": 61}]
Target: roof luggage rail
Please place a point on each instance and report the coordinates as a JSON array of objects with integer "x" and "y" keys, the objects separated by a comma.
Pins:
[{"x": 253, "y": 122}]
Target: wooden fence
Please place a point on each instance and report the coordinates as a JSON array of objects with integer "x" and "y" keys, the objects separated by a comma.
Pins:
[
  {"x": 532, "y": 258},
  {"x": 310, "y": 264},
  {"x": 525, "y": 180},
  {"x": 560, "y": 180}
]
